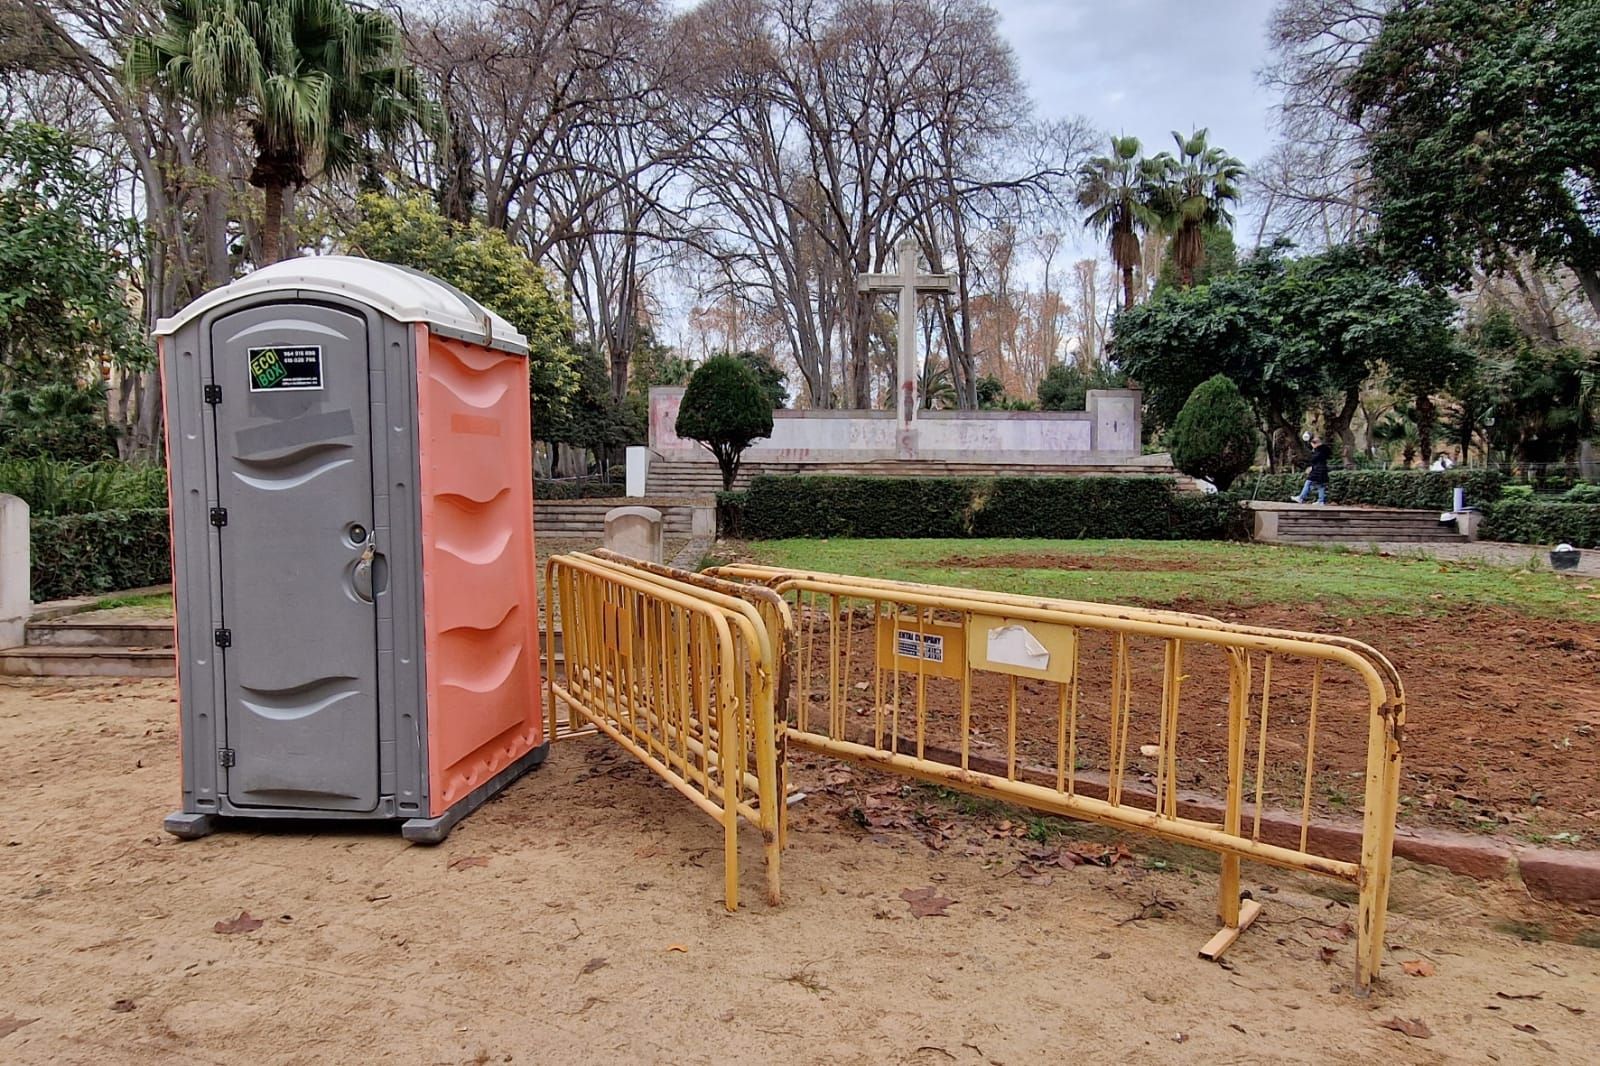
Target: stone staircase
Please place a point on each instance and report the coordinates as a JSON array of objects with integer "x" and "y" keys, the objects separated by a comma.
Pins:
[
  {"x": 578, "y": 519},
  {"x": 1307, "y": 524},
  {"x": 78, "y": 647},
  {"x": 689, "y": 477}
]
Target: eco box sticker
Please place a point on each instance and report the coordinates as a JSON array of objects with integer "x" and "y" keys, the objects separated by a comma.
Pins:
[{"x": 285, "y": 368}]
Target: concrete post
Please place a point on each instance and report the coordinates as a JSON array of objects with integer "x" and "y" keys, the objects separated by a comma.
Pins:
[
  {"x": 634, "y": 532},
  {"x": 15, "y": 561},
  {"x": 638, "y": 470}
]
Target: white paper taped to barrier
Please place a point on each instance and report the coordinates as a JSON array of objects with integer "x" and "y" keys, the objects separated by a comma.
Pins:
[{"x": 1013, "y": 645}]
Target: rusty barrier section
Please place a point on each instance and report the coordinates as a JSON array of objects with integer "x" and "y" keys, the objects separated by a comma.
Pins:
[
  {"x": 683, "y": 678},
  {"x": 1168, "y": 723}
]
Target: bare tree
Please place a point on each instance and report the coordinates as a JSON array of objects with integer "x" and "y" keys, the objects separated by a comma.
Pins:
[{"x": 1314, "y": 181}]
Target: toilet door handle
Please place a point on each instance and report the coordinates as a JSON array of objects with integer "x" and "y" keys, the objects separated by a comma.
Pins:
[{"x": 361, "y": 580}]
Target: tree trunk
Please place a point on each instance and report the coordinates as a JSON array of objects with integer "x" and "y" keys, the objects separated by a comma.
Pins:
[
  {"x": 1590, "y": 280},
  {"x": 272, "y": 223},
  {"x": 1426, "y": 416},
  {"x": 1127, "y": 287}
]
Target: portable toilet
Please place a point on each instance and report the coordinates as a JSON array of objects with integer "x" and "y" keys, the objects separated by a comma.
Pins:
[{"x": 351, "y": 497}]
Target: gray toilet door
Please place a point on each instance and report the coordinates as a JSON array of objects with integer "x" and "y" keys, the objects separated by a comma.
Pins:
[{"x": 294, "y": 476}]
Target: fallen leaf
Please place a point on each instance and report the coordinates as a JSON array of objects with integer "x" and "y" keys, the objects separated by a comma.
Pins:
[
  {"x": 1417, "y": 967},
  {"x": 1337, "y": 933},
  {"x": 678, "y": 947},
  {"x": 1102, "y": 954},
  {"x": 1550, "y": 967},
  {"x": 242, "y": 924},
  {"x": 1525, "y": 1028},
  {"x": 1412, "y": 1027},
  {"x": 591, "y": 966},
  {"x": 1327, "y": 954},
  {"x": 1520, "y": 995},
  {"x": 123, "y": 1006},
  {"x": 725, "y": 1016},
  {"x": 9, "y": 1025},
  {"x": 924, "y": 903},
  {"x": 465, "y": 862},
  {"x": 1237, "y": 1027},
  {"x": 1574, "y": 1010},
  {"x": 1149, "y": 751}
]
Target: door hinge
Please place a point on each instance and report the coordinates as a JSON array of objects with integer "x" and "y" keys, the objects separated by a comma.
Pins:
[
  {"x": 222, "y": 638},
  {"x": 213, "y": 394},
  {"x": 225, "y": 757},
  {"x": 219, "y": 516}
]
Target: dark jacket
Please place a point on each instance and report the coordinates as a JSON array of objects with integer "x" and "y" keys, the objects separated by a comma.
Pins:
[{"x": 1319, "y": 465}]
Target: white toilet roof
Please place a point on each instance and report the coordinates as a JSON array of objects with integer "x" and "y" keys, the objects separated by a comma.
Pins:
[{"x": 402, "y": 294}]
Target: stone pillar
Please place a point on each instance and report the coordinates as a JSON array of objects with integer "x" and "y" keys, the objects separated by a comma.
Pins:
[
  {"x": 634, "y": 532},
  {"x": 15, "y": 560},
  {"x": 638, "y": 470},
  {"x": 1117, "y": 427}
]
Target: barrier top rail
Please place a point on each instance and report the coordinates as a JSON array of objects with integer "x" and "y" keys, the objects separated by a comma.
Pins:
[{"x": 782, "y": 579}]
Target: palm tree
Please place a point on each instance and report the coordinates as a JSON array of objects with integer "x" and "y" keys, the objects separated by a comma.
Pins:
[
  {"x": 311, "y": 81},
  {"x": 1116, "y": 189},
  {"x": 1192, "y": 195}
]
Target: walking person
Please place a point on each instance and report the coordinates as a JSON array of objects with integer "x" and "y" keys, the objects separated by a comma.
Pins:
[{"x": 1316, "y": 474}]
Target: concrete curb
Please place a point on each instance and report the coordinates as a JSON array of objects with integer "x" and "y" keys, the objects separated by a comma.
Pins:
[{"x": 1553, "y": 875}]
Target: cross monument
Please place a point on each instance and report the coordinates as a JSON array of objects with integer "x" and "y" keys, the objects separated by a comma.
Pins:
[{"x": 908, "y": 283}]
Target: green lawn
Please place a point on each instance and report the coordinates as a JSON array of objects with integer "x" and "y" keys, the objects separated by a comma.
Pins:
[
  {"x": 156, "y": 600},
  {"x": 1205, "y": 571}
]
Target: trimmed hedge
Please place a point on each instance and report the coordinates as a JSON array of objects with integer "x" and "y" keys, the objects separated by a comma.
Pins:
[
  {"x": 578, "y": 490},
  {"x": 108, "y": 551},
  {"x": 1532, "y": 521},
  {"x": 1146, "y": 508},
  {"x": 1420, "y": 489}
]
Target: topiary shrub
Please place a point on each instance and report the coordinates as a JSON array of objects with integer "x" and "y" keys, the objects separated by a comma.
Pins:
[
  {"x": 1057, "y": 507},
  {"x": 1418, "y": 489},
  {"x": 1214, "y": 436},
  {"x": 725, "y": 408}
]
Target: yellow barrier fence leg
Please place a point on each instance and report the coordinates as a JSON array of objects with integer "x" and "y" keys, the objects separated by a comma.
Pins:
[
  {"x": 1377, "y": 840},
  {"x": 1235, "y": 916}
]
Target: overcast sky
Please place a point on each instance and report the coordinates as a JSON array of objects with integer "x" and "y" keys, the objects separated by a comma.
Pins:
[{"x": 1148, "y": 67}]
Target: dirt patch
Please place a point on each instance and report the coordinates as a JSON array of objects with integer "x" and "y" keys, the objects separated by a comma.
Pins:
[
  {"x": 577, "y": 919},
  {"x": 1068, "y": 561}
]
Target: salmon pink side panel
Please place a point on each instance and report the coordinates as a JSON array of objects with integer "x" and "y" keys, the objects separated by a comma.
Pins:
[{"x": 479, "y": 583}]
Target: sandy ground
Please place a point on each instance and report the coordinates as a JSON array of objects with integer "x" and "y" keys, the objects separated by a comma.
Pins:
[{"x": 577, "y": 919}]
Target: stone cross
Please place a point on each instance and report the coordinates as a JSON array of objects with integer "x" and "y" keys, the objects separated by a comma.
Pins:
[{"x": 907, "y": 282}]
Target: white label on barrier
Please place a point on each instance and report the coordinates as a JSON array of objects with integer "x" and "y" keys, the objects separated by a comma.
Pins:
[
  {"x": 910, "y": 644},
  {"x": 1013, "y": 645}
]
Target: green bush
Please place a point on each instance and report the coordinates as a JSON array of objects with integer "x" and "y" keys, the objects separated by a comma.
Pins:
[
  {"x": 1583, "y": 492},
  {"x": 1532, "y": 521},
  {"x": 56, "y": 487},
  {"x": 1052, "y": 507},
  {"x": 59, "y": 421},
  {"x": 578, "y": 490},
  {"x": 1420, "y": 489},
  {"x": 84, "y": 554},
  {"x": 725, "y": 408},
  {"x": 1214, "y": 436}
]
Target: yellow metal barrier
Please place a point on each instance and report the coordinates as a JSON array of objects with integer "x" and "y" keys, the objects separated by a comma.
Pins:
[
  {"x": 1045, "y": 703},
  {"x": 682, "y": 677}
]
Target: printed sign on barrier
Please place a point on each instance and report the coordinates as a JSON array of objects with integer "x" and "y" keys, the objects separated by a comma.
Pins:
[{"x": 937, "y": 649}]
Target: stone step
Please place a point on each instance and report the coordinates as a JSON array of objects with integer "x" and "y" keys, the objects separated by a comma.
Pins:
[
  {"x": 71, "y": 632},
  {"x": 43, "y": 660},
  {"x": 48, "y": 661},
  {"x": 1354, "y": 538}
]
